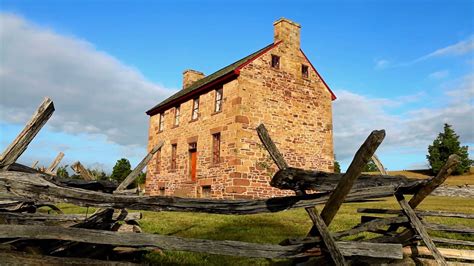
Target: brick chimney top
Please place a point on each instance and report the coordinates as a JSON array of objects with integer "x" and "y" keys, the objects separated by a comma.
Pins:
[
  {"x": 287, "y": 31},
  {"x": 190, "y": 76}
]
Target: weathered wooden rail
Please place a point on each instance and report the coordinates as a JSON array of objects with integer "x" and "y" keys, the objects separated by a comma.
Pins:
[
  {"x": 35, "y": 187},
  {"x": 83, "y": 235}
]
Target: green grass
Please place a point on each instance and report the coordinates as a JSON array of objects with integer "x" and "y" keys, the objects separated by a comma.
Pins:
[{"x": 271, "y": 227}]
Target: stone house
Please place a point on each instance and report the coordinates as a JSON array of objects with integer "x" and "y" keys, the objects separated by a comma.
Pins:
[{"x": 211, "y": 146}]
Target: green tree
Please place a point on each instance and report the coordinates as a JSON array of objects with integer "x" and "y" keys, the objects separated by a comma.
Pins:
[
  {"x": 121, "y": 169},
  {"x": 337, "y": 167},
  {"x": 139, "y": 181},
  {"x": 370, "y": 167},
  {"x": 99, "y": 174},
  {"x": 445, "y": 144},
  {"x": 62, "y": 172}
]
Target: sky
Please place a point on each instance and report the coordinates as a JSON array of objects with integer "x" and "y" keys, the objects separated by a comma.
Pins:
[{"x": 403, "y": 66}]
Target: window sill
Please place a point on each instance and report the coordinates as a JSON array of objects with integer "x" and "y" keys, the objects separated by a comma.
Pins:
[
  {"x": 193, "y": 120},
  {"x": 175, "y": 126},
  {"x": 215, "y": 113}
]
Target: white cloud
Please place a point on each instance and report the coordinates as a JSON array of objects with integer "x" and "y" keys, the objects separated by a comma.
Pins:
[
  {"x": 464, "y": 91},
  {"x": 93, "y": 92},
  {"x": 457, "y": 49},
  {"x": 460, "y": 48},
  {"x": 381, "y": 64},
  {"x": 439, "y": 74},
  {"x": 355, "y": 116}
]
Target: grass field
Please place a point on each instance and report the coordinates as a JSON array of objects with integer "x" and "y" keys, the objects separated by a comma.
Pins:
[{"x": 270, "y": 228}]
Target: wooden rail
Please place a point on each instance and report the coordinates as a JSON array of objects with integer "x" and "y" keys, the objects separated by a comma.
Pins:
[
  {"x": 36, "y": 187},
  {"x": 225, "y": 247},
  {"x": 21, "y": 142},
  {"x": 97, "y": 232}
]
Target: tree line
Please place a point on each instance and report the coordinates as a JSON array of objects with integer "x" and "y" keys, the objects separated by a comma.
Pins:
[{"x": 120, "y": 171}]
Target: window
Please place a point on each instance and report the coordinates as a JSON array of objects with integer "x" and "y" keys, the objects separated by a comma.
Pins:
[
  {"x": 162, "y": 191},
  {"x": 176, "y": 115},
  {"x": 206, "y": 191},
  {"x": 275, "y": 61},
  {"x": 195, "y": 114},
  {"x": 162, "y": 122},
  {"x": 304, "y": 71},
  {"x": 158, "y": 161},
  {"x": 216, "y": 147},
  {"x": 173, "y": 156},
  {"x": 218, "y": 103}
]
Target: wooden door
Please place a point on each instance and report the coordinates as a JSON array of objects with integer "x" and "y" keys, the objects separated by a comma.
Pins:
[{"x": 193, "y": 159}]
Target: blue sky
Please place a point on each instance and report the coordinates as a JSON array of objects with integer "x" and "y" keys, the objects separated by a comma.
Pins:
[{"x": 406, "y": 66}]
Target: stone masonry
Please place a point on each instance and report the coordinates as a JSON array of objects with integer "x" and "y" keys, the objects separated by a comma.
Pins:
[{"x": 295, "y": 108}]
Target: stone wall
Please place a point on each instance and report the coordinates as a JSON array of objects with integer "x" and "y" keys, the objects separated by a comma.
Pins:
[
  {"x": 296, "y": 110},
  {"x": 297, "y": 113},
  {"x": 179, "y": 182}
]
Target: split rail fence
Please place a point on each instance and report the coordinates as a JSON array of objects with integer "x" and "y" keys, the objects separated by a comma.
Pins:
[{"x": 113, "y": 233}]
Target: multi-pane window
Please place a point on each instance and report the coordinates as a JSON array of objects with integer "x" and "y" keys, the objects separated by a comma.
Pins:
[
  {"x": 218, "y": 103},
  {"x": 304, "y": 71},
  {"x": 216, "y": 147},
  {"x": 158, "y": 161},
  {"x": 174, "y": 148},
  {"x": 195, "y": 113},
  {"x": 275, "y": 61},
  {"x": 161, "y": 125},
  {"x": 176, "y": 115}
]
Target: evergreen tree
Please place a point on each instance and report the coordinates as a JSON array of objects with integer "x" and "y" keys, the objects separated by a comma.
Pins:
[
  {"x": 445, "y": 144},
  {"x": 121, "y": 169},
  {"x": 337, "y": 167}
]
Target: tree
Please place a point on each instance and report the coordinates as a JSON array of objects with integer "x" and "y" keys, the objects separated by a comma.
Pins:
[
  {"x": 121, "y": 170},
  {"x": 62, "y": 172},
  {"x": 445, "y": 144},
  {"x": 141, "y": 178},
  {"x": 370, "y": 167},
  {"x": 98, "y": 174},
  {"x": 337, "y": 167}
]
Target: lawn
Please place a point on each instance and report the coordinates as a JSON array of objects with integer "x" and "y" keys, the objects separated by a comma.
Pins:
[{"x": 270, "y": 228}]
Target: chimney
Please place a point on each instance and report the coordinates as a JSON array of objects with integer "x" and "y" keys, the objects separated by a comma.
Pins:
[
  {"x": 190, "y": 76},
  {"x": 287, "y": 31}
]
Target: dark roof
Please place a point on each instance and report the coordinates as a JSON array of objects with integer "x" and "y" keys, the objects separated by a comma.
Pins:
[{"x": 206, "y": 80}]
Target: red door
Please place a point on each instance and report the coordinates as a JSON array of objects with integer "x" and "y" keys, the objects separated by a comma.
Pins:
[{"x": 193, "y": 154}]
